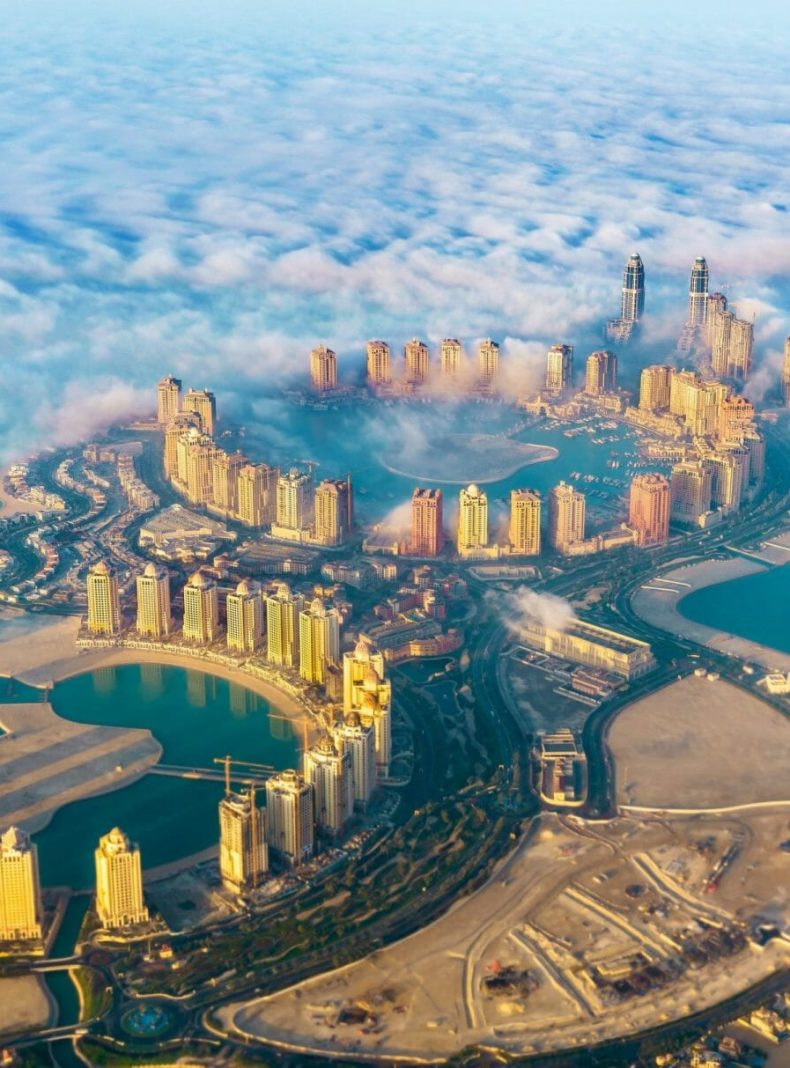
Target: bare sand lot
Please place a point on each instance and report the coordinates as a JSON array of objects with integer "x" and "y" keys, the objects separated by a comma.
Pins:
[
  {"x": 24, "y": 1004},
  {"x": 700, "y": 744},
  {"x": 47, "y": 762}
]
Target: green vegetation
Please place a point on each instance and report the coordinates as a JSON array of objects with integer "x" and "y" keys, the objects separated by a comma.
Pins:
[
  {"x": 95, "y": 996},
  {"x": 100, "y": 1052}
]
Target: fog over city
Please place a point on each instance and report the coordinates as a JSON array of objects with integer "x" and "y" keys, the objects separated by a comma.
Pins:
[{"x": 246, "y": 186}]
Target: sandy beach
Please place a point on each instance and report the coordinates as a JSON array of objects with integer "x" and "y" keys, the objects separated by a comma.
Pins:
[{"x": 657, "y": 601}]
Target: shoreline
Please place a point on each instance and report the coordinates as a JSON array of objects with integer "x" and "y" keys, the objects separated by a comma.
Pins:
[
  {"x": 658, "y": 599},
  {"x": 547, "y": 454}
]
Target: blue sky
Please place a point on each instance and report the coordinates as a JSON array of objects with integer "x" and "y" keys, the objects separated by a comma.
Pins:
[{"x": 212, "y": 189}]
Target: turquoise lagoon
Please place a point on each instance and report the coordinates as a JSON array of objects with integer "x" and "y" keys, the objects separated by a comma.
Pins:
[{"x": 195, "y": 717}]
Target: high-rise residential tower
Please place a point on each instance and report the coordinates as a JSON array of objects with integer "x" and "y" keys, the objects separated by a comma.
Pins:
[
  {"x": 201, "y": 609},
  {"x": 368, "y": 693},
  {"x": 154, "y": 617},
  {"x": 654, "y": 387},
  {"x": 21, "y": 911},
  {"x": 524, "y": 531},
  {"x": 698, "y": 293},
  {"x": 331, "y": 775},
  {"x": 359, "y": 742},
  {"x": 601, "y": 373},
  {"x": 323, "y": 369},
  {"x": 168, "y": 400},
  {"x": 632, "y": 301},
  {"x": 378, "y": 363},
  {"x": 319, "y": 641},
  {"x": 243, "y": 850},
  {"x": 417, "y": 361},
  {"x": 731, "y": 342},
  {"x": 450, "y": 357},
  {"x": 174, "y": 430},
  {"x": 427, "y": 529},
  {"x": 472, "y": 520},
  {"x": 559, "y": 370},
  {"x": 244, "y": 611},
  {"x": 295, "y": 499},
  {"x": 225, "y": 470},
  {"x": 334, "y": 511},
  {"x": 282, "y": 626},
  {"x": 566, "y": 517},
  {"x": 648, "y": 509},
  {"x": 104, "y": 606},
  {"x": 119, "y": 881},
  {"x": 257, "y": 494},
  {"x": 690, "y": 491},
  {"x": 203, "y": 403},
  {"x": 487, "y": 361},
  {"x": 290, "y": 817}
]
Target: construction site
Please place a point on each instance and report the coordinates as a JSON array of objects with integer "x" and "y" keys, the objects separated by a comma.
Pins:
[{"x": 589, "y": 930}]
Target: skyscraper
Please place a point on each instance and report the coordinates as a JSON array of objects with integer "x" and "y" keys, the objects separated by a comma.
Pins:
[
  {"x": 290, "y": 817},
  {"x": 168, "y": 400},
  {"x": 450, "y": 357},
  {"x": 119, "y": 881},
  {"x": 323, "y": 369},
  {"x": 731, "y": 342},
  {"x": 648, "y": 509},
  {"x": 566, "y": 517},
  {"x": 698, "y": 293},
  {"x": 197, "y": 452},
  {"x": 729, "y": 476},
  {"x": 201, "y": 609},
  {"x": 736, "y": 417},
  {"x": 21, "y": 911},
  {"x": 524, "y": 533},
  {"x": 225, "y": 471},
  {"x": 654, "y": 387},
  {"x": 367, "y": 692},
  {"x": 360, "y": 743},
  {"x": 786, "y": 373},
  {"x": 319, "y": 641},
  {"x": 257, "y": 494},
  {"x": 378, "y": 363},
  {"x": 154, "y": 618},
  {"x": 104, "y": 606},
  {"x": 601, "y": 373},
  {"x": 333, "y": 511},
  {"x": 417, "y": 359},
  {"x": 472, "y": 520},
  {"x": 632, "y": 302},
  {"x": 282, "y": 626},
  {"x": 331, "y": 776},
  {"x": 559, "y": 370},
  {"x": 177, "y": 426},
  {"x": 244, "y": 611},
  {"x": 203, "y": 403},
  {"x": 295, "y": 500},
  {"x": 243, "y": 850},
  {"x": 691, "y": 491},
  {"x": 487, "y": 361},
  {"x": 427, "y": 530}
]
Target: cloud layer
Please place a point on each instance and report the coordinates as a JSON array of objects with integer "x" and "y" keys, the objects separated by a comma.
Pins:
[{"x": 213, "y": 197}]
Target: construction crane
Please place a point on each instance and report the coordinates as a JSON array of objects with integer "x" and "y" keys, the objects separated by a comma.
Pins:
[{"x": 226, "y": 761}]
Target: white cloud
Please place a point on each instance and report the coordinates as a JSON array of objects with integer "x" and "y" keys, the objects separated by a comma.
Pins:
[{"x": 213, "y": 194}]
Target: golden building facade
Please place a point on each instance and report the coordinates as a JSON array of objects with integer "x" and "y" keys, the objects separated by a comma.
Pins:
[{"x": 119, "y": 882}]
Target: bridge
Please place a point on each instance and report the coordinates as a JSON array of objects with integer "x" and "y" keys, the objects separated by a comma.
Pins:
[{"x": 185, "y": 771}]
